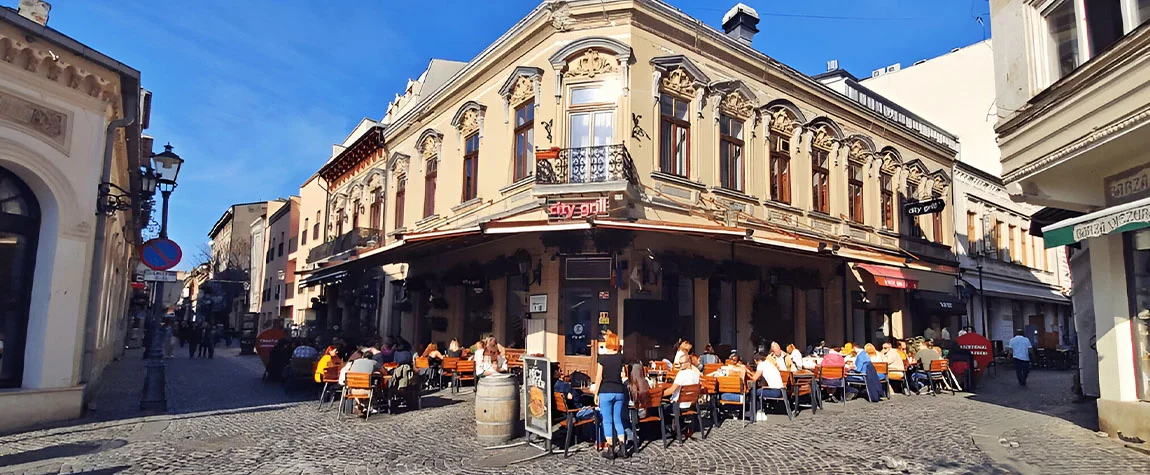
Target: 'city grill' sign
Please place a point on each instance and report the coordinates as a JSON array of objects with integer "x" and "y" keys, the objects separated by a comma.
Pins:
[
  {"x": 1108, "y": 224},
  {"x": 924, "y": 207},
  {"x": 564, "y": 210}
]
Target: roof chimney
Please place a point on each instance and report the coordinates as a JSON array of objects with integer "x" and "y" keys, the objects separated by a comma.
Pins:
[
  {"x": 35, "y": 10},
  {"x": 740, "y": 23}
]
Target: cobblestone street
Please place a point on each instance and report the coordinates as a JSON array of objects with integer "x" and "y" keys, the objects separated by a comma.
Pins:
[{"x": 224, "y": 420}]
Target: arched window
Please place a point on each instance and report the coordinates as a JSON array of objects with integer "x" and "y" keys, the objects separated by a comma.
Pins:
[
  {"x": 784, "y": 118},
  {"x": 19, "y": 230}
]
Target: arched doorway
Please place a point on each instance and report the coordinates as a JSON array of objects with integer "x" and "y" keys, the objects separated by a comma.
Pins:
[{"x": 19, "y": 228}]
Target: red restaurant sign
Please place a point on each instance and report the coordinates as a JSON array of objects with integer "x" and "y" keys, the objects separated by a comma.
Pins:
[
  {"x": 578, "y": 209},
  {"x": 895, "y": 283}
]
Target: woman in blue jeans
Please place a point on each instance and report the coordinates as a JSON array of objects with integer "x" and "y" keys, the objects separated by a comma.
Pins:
[{"x": 610, "y": 395}]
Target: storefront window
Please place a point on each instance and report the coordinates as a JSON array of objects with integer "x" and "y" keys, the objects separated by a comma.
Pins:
[
  {"x": 1138, "y": 280},
  {"x": 514, "y": 335},
  {"x": 476, "y": 311}
]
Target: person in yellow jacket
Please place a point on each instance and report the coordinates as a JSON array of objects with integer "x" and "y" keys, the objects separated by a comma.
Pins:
[{"x": 330, "y": 358}]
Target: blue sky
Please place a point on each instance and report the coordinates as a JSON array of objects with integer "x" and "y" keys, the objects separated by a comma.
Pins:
[{"x": 253, "y": 93}]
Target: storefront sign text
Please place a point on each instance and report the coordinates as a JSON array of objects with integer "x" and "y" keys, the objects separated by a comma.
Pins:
[
  {"x": 895, "y": 283},
  {"x": 924, "y": 207},
  {"x": 578, "y": 209},
  {"x": 1130, "y": 185},
  {"x": 1108, "y": 224}
]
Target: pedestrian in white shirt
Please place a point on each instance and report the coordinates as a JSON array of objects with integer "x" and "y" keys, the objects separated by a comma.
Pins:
[
  {"x": 689, "y": 375},
  {"x": 1020, "y": 345}
]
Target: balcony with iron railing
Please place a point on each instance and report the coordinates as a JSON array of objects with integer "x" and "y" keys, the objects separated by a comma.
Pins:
[
  {"x": 602, "y": 164},
  {"x": 354, "y": 239}
]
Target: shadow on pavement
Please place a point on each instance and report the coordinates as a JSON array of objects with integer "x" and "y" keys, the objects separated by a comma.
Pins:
[
  {"x": 1048, "y": 392},
  {"x": 58, "y": 451}
]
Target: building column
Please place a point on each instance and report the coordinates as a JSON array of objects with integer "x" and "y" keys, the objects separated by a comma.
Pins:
[
  {"x": 800, "y": 311},
  {"x": 498, "y": 289},
  {"x": 702, "y": 308},
  {"x": 1112, "y": 320},
  {"x": 744, "y": 302}
]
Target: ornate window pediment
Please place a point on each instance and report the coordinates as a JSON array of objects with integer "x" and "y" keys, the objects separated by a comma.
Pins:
[
  {"x": 521, "y": 85},
  {"x": 398, "y": 163},
  {"x": 591, "y": 58},
  {"x": 891, "y": 160},
  {"x": 469, "y": 118},
  {"x": 940, "y": 182},
  {"x": 429, "y": 143},
  {"x": 735, "y": 98},
  {"x": 861, "y": 149},
  {"x": 826, "y": 133},
  {"x": 783, "y": 117},
  {"x": 915, "y": 171},
  {"x": 678, "y": 75}
]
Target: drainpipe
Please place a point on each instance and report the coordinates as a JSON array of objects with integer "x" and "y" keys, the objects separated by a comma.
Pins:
[{"x": 99, "y": 256}]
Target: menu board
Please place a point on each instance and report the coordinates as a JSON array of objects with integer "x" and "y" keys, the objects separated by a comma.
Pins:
[{"x": 537, "y": 394}]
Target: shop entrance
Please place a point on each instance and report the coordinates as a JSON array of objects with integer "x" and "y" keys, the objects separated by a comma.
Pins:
[{"x": 587, "y": 303}]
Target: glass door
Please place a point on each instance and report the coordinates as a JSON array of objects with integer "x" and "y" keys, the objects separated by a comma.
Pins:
[
  {"x": 591, "y": 133},
  {"x": 19, "y": 229}
]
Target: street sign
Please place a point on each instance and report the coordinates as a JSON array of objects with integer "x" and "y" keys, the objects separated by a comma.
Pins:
[
  {"x": 924, "y": 207},
  {"x": 159, "y": 276},
  {"x": 160, "y": 254}
]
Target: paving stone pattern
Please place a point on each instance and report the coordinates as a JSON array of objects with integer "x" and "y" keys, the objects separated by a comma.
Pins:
[{"x": 222, "y": 419}]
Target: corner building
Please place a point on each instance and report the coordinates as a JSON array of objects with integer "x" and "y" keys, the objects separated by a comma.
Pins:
[{"x": 620, "y": 165}]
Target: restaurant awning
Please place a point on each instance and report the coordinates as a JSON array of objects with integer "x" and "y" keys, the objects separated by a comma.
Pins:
[
  {"x": 890, "y": 276},
  {"x": 1115, "y": 219},
  {"x": 937, "y": 303},
  {"x": 1002, "y": 288},
  {"x": 322, "y": 276}
]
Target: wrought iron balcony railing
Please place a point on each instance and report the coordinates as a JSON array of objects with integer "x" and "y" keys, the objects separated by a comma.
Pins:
[
  {"x": 357, "y": 237},
  {"x": 598, "y": 164}
]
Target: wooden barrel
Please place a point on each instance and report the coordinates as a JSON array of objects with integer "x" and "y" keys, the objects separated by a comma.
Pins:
[{"x": 496, "y": 409}]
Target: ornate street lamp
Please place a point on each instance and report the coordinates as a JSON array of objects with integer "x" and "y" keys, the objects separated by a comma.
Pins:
[{"x": 161, "y": 174}]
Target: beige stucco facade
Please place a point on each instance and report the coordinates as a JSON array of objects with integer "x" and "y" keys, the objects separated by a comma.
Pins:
[
  {"x": 485, "y": 238},
  {"x": 68, "y": 309}
]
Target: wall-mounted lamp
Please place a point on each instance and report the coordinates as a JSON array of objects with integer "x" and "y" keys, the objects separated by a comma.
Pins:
[
  {"x": 836, "y": 247},
  {"x": 111, "y": 198},
  {"x": 822, "y": 247},
  {"x": 909, "y": 260}
]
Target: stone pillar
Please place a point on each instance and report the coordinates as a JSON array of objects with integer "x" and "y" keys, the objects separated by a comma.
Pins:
[
  {"x": 801, "y": 319},
  {"x": 498, "y": 289},
  {"x": 744, "y": 301},
  {"x": 702, "y": 307}
]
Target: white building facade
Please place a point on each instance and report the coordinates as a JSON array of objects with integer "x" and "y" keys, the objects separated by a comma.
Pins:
[{"x": 1012, "y": 282}]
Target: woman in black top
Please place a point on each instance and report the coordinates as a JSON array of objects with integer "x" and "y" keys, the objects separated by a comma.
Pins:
[
  {"x": 610, "y": 395},
  {"x": 453, "y": 349}
]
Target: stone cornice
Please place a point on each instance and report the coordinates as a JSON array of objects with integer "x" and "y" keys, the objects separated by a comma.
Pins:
[
  {"x": 55, "y": 68},
  {"x": 1114, "y": 129}
]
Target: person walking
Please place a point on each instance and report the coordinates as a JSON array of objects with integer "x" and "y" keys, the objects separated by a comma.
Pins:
[
  {"x": 194, "y": 335},
  {"x": 207, "y": 341},
  {"x": 1020, "y": 345},
  {"x": 610, "y": 395}
]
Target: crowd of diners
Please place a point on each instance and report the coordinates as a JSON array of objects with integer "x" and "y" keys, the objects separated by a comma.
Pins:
[{"x": 619, "y": 384}]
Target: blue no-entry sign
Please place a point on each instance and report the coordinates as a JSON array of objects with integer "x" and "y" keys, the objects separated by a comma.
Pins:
[{"x": 160, "y": 254}]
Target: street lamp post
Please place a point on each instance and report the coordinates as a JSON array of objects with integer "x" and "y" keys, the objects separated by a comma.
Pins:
[
  {"x": 982, "y": 296},
  {"x": 164, "y": 169}
]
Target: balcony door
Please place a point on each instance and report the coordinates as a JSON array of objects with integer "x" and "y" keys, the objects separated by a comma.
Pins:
[{"x": 592, "y": 127}]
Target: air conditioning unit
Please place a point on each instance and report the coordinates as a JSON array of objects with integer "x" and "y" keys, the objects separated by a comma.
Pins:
[
  {"x": 832, "y": 65},
  {"x": 894, "y": 67},
  {"x": 876, "y": 73}
]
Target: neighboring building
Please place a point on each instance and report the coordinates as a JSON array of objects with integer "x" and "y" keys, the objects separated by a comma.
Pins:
[
  {"x": 1007, "y": 272},
  {"x": 257, "y": 257},
  {"x": 1072, "y": 83},
  {"x": 307, "y": 302},
  {"x": 223, "y": 299},
  {"x": 71, "y": 120},
  {"x": 623, "y": 166},
  {"x": 277, "y": 299}
]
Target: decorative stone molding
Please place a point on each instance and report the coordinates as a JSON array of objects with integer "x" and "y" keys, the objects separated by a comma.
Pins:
[
  {"x": 522, "y": 84},
  {"x": 940, "y": 182},
  {"x": 430, "y": 143},
  {"x": 591, "y": 58},
  {"x": 52, "y": 67},
  {"x": 590, "y": 65},
  {"x": 48, "y": 123},
  {"x": 469, "y": 118},
  {"x": 861, "y": 150},
  {"x": 1084, "y": 143},
  {"x": 735, "y": 99},
  {"x": 782, "y": 121},
  {"x": 891, "y": 161},
  {"x": 678, "y": 75},
  {"x": 561, "y": 16},
  {"x": 398, "y": 163},
  {"x": 823, "y": 140}
]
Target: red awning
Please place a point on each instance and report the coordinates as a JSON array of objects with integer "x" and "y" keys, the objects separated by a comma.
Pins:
[{"x": 889, "y": 276}]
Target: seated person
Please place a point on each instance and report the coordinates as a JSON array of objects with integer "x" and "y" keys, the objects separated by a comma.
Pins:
[
  {"x": 305, "y": 351},
  {"x": 893, "y": 360},
  {"x": 432, "y": 353},
  {"x": 709, "y": 356},
  {"x": 796, "y": 356},
  {"x": 820, "y": 349},
  {"x": 330, "y": 358},
  {"x": 861, "y": 364},
  {"x": 491, "y": 362},
  {"x": 923, "y": 358},
  {"x": 454, "y": 350},
  {"x": 573, "y": 398},
  {"x": 688, "y": 375},
  {"x": 768, "y": 373},
  {"x": 834, "y": 359}
]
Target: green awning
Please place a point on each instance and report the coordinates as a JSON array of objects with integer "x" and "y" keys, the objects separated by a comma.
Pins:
[{"x": 1115, "y": 219}]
